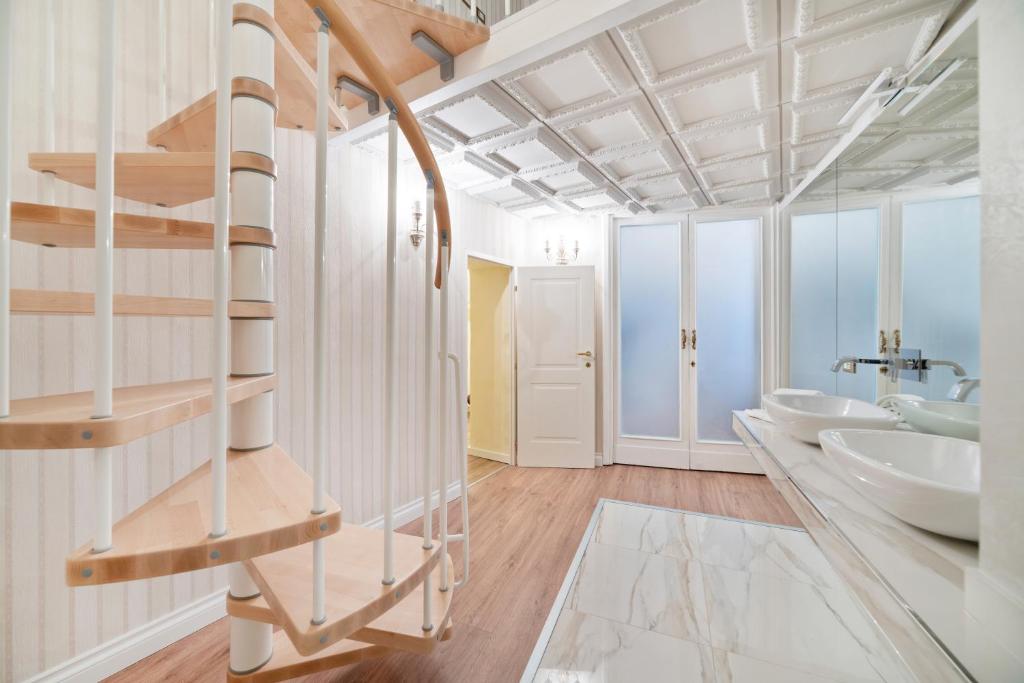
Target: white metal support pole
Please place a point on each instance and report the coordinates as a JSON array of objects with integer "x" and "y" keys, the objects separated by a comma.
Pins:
[
  {"x": 5, "y": 207},
  {"x": 461, "y": 453},
  {"x": 221, "y": 205},
  {"x": 428, "y": 394},
  {"x": 508, "y": 7},
  {"x": 442, "y": 379},
  {"x": 391, "y": 351},
  {"x": 323, "y": 91},
  {"x": 103, "y": 392}
]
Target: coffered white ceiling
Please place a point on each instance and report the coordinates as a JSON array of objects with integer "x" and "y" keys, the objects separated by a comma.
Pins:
[{"x": 700, "y": 102}]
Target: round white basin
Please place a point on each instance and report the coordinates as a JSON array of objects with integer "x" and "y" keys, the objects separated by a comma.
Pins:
[
  {"x": 944, "y": 418},
  {"x": 803, "y": 417},
  {"x": 929, "y": 481}
]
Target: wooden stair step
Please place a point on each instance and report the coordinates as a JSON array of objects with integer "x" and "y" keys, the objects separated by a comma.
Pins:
[
  {"x": 59, "y": 226},
  {"x": 355, "y": 595},
  {"x": 287, "y": 663},
  {"x": 193, "y": 128},
  {"x": 161, "y": 178},
  {"x": 401, "y": 627},
  {"x": 51, "y": 302},
  {"x": 268, "y": 499},
  {"x": 391, "y": 23},
  {"x": 65, "y": 420}
]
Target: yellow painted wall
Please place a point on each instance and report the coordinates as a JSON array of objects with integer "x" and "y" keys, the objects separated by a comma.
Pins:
[{"x": 490, "y": 359}]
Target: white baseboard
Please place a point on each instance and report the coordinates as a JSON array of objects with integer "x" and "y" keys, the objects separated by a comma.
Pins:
[
  {"x": 490, "y": 455},
  {"x": 598, "y": 460},
  {"x": 127, "y": 649}
]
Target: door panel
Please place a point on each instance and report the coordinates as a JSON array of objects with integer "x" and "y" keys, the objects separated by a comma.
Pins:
[{"x": 556, "y": 403}]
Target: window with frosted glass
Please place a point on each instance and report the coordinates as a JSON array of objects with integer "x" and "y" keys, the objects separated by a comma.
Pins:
[
  {"x": 728, "y": 297},
  {"x": 941, "y": 289},
  {"x": 649, "y": 298},
  {"x": 833, "y": 300}
]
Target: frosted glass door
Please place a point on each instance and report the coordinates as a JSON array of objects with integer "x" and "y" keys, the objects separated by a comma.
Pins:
[
  {"x": 727, "y": 296},
  {"x": 941, "y": 307},
  {"x": 834, "y": 299},
  {"x": 650, "y": 270}
]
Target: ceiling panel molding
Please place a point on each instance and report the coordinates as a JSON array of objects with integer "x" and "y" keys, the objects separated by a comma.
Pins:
[
  {"x": 808, "y": 21},
  {"x": 732, "y": 141},
  {"x": 726, "y": 96},
  {"x": 749, "y": 34},
  {"x": 756, "y": 192},
  {"x": 661, "y": 187},
  {"x": 923, "y": 24},
  {"x": 463, "y": 169},
  {"x": 507, "y": 192},
  {"x": 597, "y": 75},
  {"x": 742, "y": 171},
  {"x": 913, "y": 148},
  {"x": 624, "y": 125},
  {"x": 532, "y": 150},
  {"x": 653, "y": 159},
  {"x": 572, "y": 178},
  {"x": 601, "y": 200},
  {"x": 818, "y": 119},
  {"x": 478, "y": 116}
]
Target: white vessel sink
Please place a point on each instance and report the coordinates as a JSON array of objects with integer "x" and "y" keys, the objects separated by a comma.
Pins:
[
  {"x": 929, "y": 481},
  {"x": 945, "y": 418},
  {"x": 804, "y": 416}
]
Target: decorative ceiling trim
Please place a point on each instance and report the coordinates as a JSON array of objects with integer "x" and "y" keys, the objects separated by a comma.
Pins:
[
  {"x": 542, "y": 135},
  {"x": 606, "y": 62},
  {"x": 766, "y": 162},
  {"x": 763, "y": 125},
  {"x": 931, "y": 19},
  {"x": 638, "y": 109},
  {"x": 493, "y": 97},
  {"x": 807, "y": 21},
  {"x": 663, "y": 148},
  {"x": 799, "y": 111},
  {"x": 665, "y": 96},
  {"x": 592, "y": 178}
]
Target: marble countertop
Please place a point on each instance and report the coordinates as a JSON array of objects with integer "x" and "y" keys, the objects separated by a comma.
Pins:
[{"x": 924, "y": 571}]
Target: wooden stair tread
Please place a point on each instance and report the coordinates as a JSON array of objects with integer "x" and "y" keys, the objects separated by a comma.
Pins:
[
  {"x": 294, "y": 77},
  {"x": 162, "y": 178},
  {"x": 391, "y": 23},
  {"x": 269, "y": 498},
  {"x": 401, "y": 627},
  {"x": 52, "y": 302},
  {"x": 354, "y": 594},
  {"x": 59, "y": 226},
  {"x": 65, "y": 420},
  {"x": 287, "y": 663}
]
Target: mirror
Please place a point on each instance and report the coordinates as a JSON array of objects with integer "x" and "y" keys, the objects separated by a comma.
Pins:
[
  {"x": 884, "y": 287},
  {"x": 884, "y": 250}
]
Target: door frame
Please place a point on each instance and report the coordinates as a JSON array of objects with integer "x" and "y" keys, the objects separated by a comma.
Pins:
[
  {"x": 513, "y": 381},
  {"x": 731, "y": 457}
]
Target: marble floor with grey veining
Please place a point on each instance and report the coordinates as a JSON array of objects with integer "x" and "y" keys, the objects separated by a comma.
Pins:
[{"x": 666, "y": 595}]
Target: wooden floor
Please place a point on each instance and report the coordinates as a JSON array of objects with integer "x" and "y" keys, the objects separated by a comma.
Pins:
[
  {"x": 481, "y": 468},
  {"x": 527, "y": 524}
]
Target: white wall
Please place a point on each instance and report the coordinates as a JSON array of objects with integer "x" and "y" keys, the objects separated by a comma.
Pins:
[{"x": 46, "y": 509}]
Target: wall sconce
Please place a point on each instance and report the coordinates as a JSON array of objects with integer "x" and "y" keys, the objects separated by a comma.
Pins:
[
  {"x": 416, "y": 234},
  {"x": 562, "y": 256}
]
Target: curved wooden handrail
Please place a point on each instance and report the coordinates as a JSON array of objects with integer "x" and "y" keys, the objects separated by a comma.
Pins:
[{"x": 356, "y": 45}]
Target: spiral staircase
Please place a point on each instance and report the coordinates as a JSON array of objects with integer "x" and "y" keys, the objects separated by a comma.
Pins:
[{"x": 308, "y": 591}]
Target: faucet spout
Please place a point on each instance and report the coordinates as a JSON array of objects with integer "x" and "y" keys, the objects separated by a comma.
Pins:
[
  {"x": 843, "y": 363},
  {"x": 958, "y": 369},
  {"x": 962, "y": 389}
]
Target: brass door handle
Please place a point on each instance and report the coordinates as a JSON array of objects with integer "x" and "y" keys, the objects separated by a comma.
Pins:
[
  {"x": 587, "y": 354},
  {"x": 693, "y": 339},
  {"x": 883, "y": 343}
]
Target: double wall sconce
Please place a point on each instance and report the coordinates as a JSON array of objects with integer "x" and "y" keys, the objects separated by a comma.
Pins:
[
  {"x": 416, "y": 234},
  {"x": 562, "y": 255}
]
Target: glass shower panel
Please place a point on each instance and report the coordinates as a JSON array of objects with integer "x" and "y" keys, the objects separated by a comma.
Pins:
[
  {"x": 941, "y": 289},
  {"x": 728, "y": 324},
  {"x": 649, "y": 310},
  {"x": 833, "y": 299}
]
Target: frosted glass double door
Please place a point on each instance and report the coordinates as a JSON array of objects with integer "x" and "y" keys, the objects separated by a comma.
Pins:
[{"x": 688, "y": 306}]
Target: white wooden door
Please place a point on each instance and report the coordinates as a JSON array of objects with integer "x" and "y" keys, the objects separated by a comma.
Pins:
[{"x": 555, "y": 366}]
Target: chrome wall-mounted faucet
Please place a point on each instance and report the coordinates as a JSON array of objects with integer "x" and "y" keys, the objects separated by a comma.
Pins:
[
  {"x": 899, "y": 362},
  {"x": 962, "y": 389}
]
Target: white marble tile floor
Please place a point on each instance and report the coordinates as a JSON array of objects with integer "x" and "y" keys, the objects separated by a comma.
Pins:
[{"x": 666, "y": 595}]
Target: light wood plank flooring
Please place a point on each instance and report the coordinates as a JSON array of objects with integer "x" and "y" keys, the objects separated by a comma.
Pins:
[
  {"x": 527, "y": 524},
  {"x": 479, "y": 468}
]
